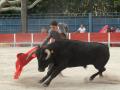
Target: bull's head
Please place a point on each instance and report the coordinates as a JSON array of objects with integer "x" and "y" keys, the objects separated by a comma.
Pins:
[{"x": 43, "y": 56}]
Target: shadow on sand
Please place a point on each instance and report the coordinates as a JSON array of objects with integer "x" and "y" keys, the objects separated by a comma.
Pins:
[{"x": 68, "y": 82}]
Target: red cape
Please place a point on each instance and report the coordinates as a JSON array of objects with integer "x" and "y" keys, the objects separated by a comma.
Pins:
[{"x": 21, "y": 61}]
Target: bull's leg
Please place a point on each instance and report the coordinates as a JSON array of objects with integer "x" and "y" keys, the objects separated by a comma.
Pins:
[
  {"x": 50, "y": 66},
  {"x": 93, "y": 76},
  {"x": 50, "y": 70},
  {"x": 98, "y": 73},
  {"x": 53, "y": 75}
]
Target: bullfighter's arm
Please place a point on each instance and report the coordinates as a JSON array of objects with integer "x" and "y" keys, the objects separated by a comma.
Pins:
[{"x": 46, "y": 41}]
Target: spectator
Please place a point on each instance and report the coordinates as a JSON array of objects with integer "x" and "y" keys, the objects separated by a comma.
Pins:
[
  {"x": 81, "y": 29},
  {"x": 113, "y": 29},
  {"x": 105, "y": 29}
]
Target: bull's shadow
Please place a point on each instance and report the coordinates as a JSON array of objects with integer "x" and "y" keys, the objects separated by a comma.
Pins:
[
  {"x": 58, "y": 82},
  {"x": 29, "y": 81},
  {"x": 68, "y": 82},
  {"x": 104, "y": 80}
]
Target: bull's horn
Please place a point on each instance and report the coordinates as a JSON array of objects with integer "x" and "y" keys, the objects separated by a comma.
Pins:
[{"x": 47, "y": 51}]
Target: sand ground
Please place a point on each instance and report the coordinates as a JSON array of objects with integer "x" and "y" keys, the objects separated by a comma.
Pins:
[{"x": 75, "y": 78}]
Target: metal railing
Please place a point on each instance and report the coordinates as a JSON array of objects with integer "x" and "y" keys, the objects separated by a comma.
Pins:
[{"x": 12, "y": 23}]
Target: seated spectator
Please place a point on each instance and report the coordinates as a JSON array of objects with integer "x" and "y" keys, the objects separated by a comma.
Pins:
[
  {"x": 81, "y": 29},
  {"x": 113, "y": 29}
]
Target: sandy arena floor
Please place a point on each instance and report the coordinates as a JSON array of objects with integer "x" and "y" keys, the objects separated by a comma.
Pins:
[{"x": 75, "y": 78}]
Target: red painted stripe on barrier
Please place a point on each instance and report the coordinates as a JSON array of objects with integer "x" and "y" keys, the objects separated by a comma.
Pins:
[
  {"x": 114, "y": 37},
  {"x": 99, "y": 37},
  {"x": 6, "y": 38},
  {"x": 23, "y": 37},
  {"x": 39, "y": 37},
  {"x": 79, "y": 36}
]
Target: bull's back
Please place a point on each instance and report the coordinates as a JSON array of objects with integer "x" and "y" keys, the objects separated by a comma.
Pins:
[
  {"x": 89, "y": 55},
  {"x": 81, "y": 53}
]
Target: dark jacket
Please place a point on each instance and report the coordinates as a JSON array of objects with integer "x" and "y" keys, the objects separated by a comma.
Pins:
[{"x": 55, "y": 35}]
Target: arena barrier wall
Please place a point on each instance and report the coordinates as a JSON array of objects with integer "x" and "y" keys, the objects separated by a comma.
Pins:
[{"x": 31, "y": 39}]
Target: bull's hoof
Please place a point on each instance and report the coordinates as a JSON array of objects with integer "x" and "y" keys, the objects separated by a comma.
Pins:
[
  {"x": 41, "y": 81},
  {"x": 101, "y": 75},
  {"x": 45, "y": 85},
  {"x": 91, "y": 78}
]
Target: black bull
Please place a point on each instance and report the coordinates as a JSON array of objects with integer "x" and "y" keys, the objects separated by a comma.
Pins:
[{"x": 71, "y": 53}]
